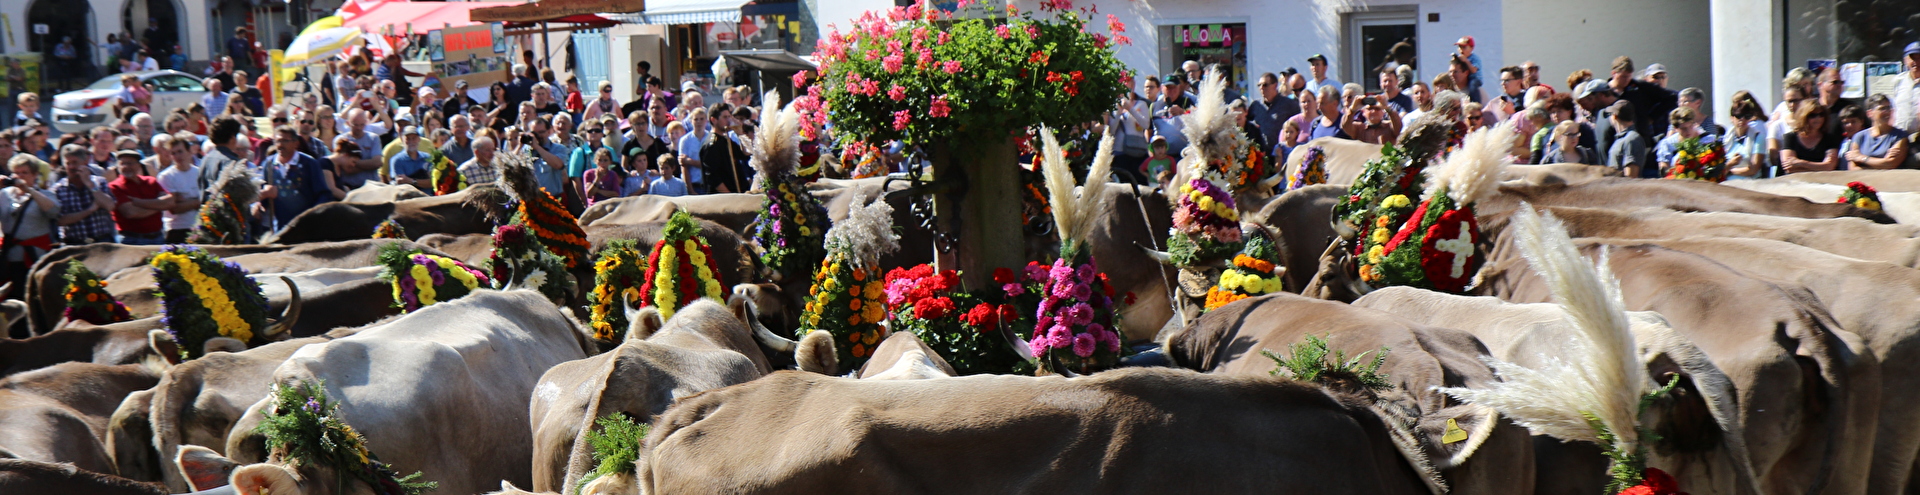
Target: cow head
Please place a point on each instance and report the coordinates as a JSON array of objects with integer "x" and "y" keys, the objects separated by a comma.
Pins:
[
  {"x": 775, "y": 305},
  {"x": 807, "y": 353}
]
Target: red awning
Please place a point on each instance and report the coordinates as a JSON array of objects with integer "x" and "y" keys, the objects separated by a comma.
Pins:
[{"x": 423, "y": 16}]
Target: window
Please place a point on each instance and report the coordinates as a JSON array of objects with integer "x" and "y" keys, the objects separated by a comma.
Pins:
[
  {"x": 1214, "y": 44},
  {"x": 1379, "y": 38},
  {"x": 173, "y": 82}
]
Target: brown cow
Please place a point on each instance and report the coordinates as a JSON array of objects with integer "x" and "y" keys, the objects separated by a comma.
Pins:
[
  {"x": 1497, "y": 455},
  {"x": 1899, "y": 180},
  {"x": 469, "y": 248},
  {"x": 1680, "y": 195},
  {"x": 1699, "y": 425},
  {"x": 1872, "y": 299},
  {"x": 195, "y": 402},
  {"x": 704, "y": 346},
  {"x": 1302, "y": 219},
  {"x": 118, "y": 343},
  {"x": 731, "y": 254},
  {"x": 471, "y": 211},
  {"x": 24, "y": 476},
  {"x": 903, "y": 356},
  {"x": 59, "y": 414},
  {"x": 1138, "y": 430},
  {"x": 731, "y": 210},
  {"x": 1807, "y": 390},
  {"x": 1851, "y": 237},
  {"x": 375, "y": 193},
  {"x": 134, "y": 287}
]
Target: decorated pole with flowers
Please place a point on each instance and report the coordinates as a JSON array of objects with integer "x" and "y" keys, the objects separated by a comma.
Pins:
[
  {"x": 962, "y": 90},
  {"x": 791, "y": 229},
  {"x": 1076, "y": 328}
]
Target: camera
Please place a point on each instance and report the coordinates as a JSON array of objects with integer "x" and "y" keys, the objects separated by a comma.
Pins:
[
  {"x": 6, "y": 182},
  {"x": 1370, "y": 101}
]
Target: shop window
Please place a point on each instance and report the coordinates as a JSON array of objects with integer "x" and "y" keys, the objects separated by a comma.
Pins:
[
  {"x": 1379, "y": 39},
  {"x": 1210, "y": 44}
]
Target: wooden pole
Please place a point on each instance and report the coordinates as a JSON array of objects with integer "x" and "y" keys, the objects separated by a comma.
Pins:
[{"x": 987, "y": 218}]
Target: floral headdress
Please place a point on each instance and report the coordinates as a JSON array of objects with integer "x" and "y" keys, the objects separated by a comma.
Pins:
[
  {"x": 1695, "y": 160},
  {"x": 1252, "y": 273},
  {"x": 223, "y": 218},
  {"x": 389, "y": 229},
  {"x": 681, "y": 268},
  {"x": 1206, "y": 224},
  {"x": 303, "y": 427},
  {"x": 618, "y": 276},
  {"x": 444, "y": 173},
  {"x": 519, "y": 260},
  {"x": 203, "y": 297},
  {"x": 1215, "y": 147},
  {"x": 1075, "y": 324},
  {"x": 1860, "y": 195},
  {"x": 1599, "y": 392},
  {"x": 791, "y": 229},
  {"x": 88, "y": 300},
  {"x": 1312, "y": 171},
  {"x": 848, "y": 296},
  {"x": 420, "y": 280},
  {"x": 549, "y": 220},
  {"x": 1447, "y": 234}
]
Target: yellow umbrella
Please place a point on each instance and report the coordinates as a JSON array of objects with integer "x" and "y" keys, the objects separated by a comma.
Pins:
[
  {"x": 313, "y": 46},
  {"x": 328, "y": 22}
]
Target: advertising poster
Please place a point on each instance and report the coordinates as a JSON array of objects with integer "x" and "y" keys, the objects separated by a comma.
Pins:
[
  {"x": 1882, "y": 77},
  {"x": 19, "y": 73},
  {"x": 468, "y": 54}
]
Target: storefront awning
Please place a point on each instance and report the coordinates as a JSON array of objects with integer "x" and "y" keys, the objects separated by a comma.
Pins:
[
  {"x": 769, "y": 60},
  {"x": 684, "y": 12},
  {"x": 421, "y": 16},
  {"x": 557, "y": 11}
]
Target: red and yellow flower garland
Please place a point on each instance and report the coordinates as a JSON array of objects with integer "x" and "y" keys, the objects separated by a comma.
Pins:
[
  {"x": 555, "y": 226},
  {"x": 680, "y": 269},
  {"x": 88, "y": 300}
]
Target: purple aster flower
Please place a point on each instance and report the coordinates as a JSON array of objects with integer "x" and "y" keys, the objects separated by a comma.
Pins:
[{"x": 313, "y": 405}]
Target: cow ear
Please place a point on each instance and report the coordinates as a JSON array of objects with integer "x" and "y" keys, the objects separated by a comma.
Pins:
[
  {"x": 163, "y": 344},
  {"x": 223, "y": 344},
  {"x": 203, "y": 468},
  {"x": 816, "y": 353},
  {"x": 261, "y": 479},
  {"x": 643, "y": 323}
]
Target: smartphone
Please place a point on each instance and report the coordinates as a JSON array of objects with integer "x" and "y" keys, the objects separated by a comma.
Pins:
[{"x": 1370, "y": 101}]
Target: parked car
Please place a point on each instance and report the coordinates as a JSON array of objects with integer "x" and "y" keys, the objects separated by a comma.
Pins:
[{"x": 78, "y": 111}]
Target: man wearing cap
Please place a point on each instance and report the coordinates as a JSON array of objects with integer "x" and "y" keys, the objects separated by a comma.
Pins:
[
  {"x": 1650, "y": 101},
  {"x": 1597, "y": 99},
  {"x": 139, "y": 200},
  {"x": 1174, "y": 102},
  {"x": 1657, "y": 74},
  {"x": 411, "y": 164},
  {"x": 84, "y": 201},
  {"x": 1464, "y": 49},
  {"x": 1317, "y": 65},
  {"x": 1906, "y": 91},
  {"x": 457, "y": 101}
]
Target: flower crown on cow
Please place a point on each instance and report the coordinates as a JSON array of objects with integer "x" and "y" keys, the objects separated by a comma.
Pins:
[
  {"x": 791, "y": 228},
  {"x": 203, "y": 297},
  {"x": 1860, "y": 195},
  {"x": 1445, "y": 234},
  {"x": 681, "y": 269},
  {"x": 848, "y": 297},
  {"x": 549, "y": 220},
  {"x": 88, "y": 300},
  {"x": 1205, "y": 223},
  {"x": 617, "y": 278},
  {"x": 1697, "y": 160},
  {"x": 389, "y": 229},
  {"x": 420, "y": 280},
  {"x": 520, "y": 260},
  {"x": 1076, "y": 326},
  {"x": 223, "y": 218},
  {"x": 1312, "y": 171},
  {"x": 1253, "y": 272},
  {"x": 444, "y": 173},
  {"x": 303, "y": 427}
]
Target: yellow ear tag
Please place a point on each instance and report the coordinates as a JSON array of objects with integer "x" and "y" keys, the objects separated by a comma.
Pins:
[{"x": 1454, "y": 433}]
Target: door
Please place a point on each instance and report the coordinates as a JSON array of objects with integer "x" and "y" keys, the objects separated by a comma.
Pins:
[
  {"x": 1373, "y": 43},
  {"x": 590, "y": 61}
]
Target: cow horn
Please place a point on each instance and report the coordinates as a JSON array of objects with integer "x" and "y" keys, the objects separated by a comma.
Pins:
[
  {"x": 1161, "y": 256},
  {"x": 1020, "y": 346},
  {"x": 744, "y": 308},
  {"x": 279, "y": 330},
  {"x": 1271, "y": 182}
]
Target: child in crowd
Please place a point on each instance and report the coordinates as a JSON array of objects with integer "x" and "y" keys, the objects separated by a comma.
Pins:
[
  {"x": 1159, "y": 160},
  {"x": 669, "y": 182},
  {"x": 603, "y": 182}
]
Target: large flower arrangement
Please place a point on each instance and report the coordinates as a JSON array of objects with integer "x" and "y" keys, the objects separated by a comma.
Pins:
[
  {"x": 519, "y": 260},
  {"x": 929, "y": 304},
  {"x": 1075, "y": 327},
  {"x": 88, "y": 300},
  {"x": 1699, "y": 161},
  {"x": 920, "y": 75},
  {"x": 1860, "y": 195},
  {"x": 792, "y": 227},
  {"x": 223, "y": 217},
  {"x": 1252, "y": 273},
  {"x": 302, "y": 427},
  {"x": 444, "y": 174},
  {"x": 1443, "y": 231},
  {"x": 1312, "y": 171},
  {"x": 420, "y": 280},
  {"x": 389, "y": 229},
  {"x": 848, "y": 297},
  {"x": 680, "y": 269},
  {"x": 203, "y": 297},
  {"x": 554, "y": 226},
  {"x": 1205, "y": 224},
  {"x": 1393, "y": 173},
  {"x": 617, "y": 279}
]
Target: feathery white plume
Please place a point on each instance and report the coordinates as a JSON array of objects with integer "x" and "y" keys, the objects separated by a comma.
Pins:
[
  {"x": 1074, "y": 214},
  {"x": 1604, "y": 378},
  {"x": 776, "y": 145},
  {"x": 1209, "y": 128},
  {"x": 1473, "y": 171},
  {"x": 867, "y": 233}
]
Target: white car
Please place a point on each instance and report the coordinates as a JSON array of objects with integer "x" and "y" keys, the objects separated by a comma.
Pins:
[{"x": 78, "y": 111}]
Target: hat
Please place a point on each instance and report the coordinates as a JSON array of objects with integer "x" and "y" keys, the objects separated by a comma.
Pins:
[
  {"x": 1319, "y": 57},
  {"x": 1590, "y": 88},
  {"x": 403, "y": 117},
  {"x": 689, "y": 86},
  {"x": 127, "y": 153},
  {"x": 1465, "y": 40},
  {"x": 1289, "y": 72},
  {"x": 1912, "y": 49},
  {"x": 460, "y": 83},
  {"x": 411, "y": 131},
  {"x": 1174, "y": 78},
  {"x": 1656, "y": 69},
  {"x": 73, "y": 149}
]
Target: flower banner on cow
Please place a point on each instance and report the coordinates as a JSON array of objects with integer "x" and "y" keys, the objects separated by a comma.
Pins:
[
  {"x": 420, "y": 280},
  {"x": 848, "y": 295},
  {"x": 1312, "y": 171},
  {"x": 1437, "y": 246},
  {"x": 303, "y": 427},
  {"x": 1254, "y": 272},
  {"x": 618, "y": 276},
  {"x": 519, "y": 260},
  {"x": 88, "y": 300},
  {"x": 223, "y": 217},
  {"x": 681, "y": 268},
  {"x": 389, "y": 229},
  {"x": 1696, "y": 160},
  {"x": 203, "y": 297}
]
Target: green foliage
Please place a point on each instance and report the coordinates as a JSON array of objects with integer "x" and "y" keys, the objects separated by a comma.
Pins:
[
  {"x": 964, "y": 79},
  {"x": 1626, "y": 467},
  {"x": 616, "y": 445},
  {"x": 303, "y": 427},
  {"x": 1313, "y": 361}
]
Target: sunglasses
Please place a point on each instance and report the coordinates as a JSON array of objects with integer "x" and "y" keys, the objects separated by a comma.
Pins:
[{"x": 595, "y": 131}]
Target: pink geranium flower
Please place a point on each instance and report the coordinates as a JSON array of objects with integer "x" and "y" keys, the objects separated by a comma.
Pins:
[
  {"x": 897, "y": 93},
  {"x": 951, "y": 66},
  {"x": 940, "y": 108},
  {"x": 901, "y": 119}
]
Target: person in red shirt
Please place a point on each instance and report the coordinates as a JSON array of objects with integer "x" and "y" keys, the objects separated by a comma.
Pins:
[{"x": 138, "y": 199}]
